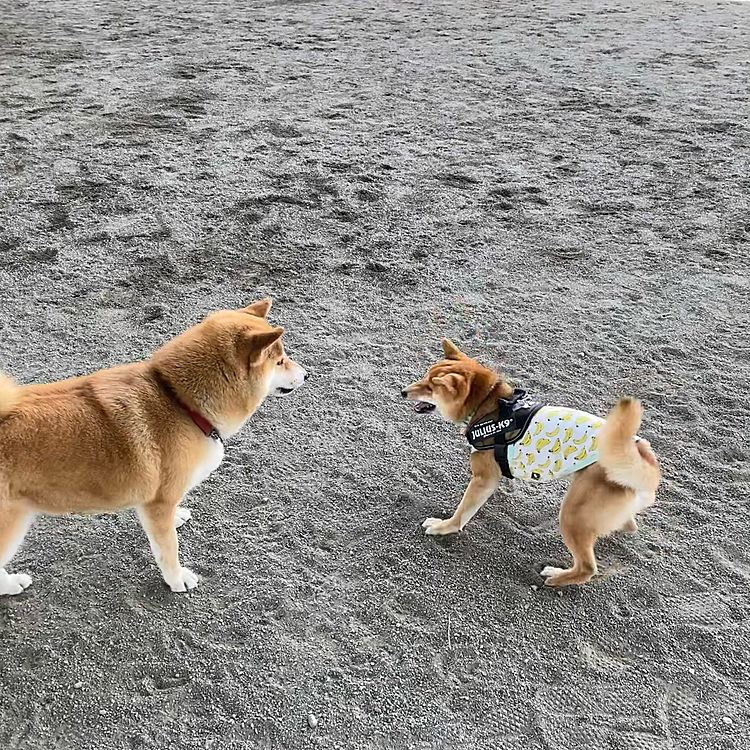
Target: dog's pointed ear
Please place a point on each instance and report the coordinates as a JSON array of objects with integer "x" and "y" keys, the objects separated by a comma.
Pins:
[
  {"x": 451, "y": 350},
  {"x": 259, "y": 308},
  {"x": 256, "y": 343}
]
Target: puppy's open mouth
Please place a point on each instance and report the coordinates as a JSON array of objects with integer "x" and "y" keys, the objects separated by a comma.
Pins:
[
  {"x": 284, "y": 390},
  {"x": 423, "y": 407}
]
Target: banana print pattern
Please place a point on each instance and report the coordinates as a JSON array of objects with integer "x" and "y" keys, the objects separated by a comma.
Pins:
[{"x": 558, "y": 442}]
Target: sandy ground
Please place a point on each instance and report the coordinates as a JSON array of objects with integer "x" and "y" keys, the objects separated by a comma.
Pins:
[{"x": 562, "y": 187}]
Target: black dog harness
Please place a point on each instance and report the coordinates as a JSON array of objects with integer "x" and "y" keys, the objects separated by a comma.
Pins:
[{"x": 503, "y": 427}]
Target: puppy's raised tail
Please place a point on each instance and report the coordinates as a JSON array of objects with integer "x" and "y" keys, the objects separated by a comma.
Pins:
[
  {"x": 627, "y": 462},
  {"x": 8, "y": 394}
]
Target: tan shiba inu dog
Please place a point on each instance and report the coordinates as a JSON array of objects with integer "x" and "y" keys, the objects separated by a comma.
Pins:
[
  {"x": 615, "y": 474},
  {"x": 139, "y": 435}
]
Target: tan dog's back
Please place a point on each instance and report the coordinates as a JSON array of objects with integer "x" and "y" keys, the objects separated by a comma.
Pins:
[{"x": 90, "y": 443}]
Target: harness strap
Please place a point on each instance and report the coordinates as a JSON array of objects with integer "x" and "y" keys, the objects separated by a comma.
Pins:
[
  {"x": 503, "y": 427},
  {"x": 501, "y": 456}
]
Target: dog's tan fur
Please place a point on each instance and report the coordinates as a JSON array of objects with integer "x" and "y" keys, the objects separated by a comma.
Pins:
[
  {"x": 120, "y": 438},
  {"x": 601, "y": 498}
]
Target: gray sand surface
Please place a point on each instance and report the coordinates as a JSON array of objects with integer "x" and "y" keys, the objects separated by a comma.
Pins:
[{"x": 562, "y": 188}]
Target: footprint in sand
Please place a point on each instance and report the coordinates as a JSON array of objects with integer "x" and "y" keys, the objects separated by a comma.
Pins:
[{"x": 602, "y": 715}]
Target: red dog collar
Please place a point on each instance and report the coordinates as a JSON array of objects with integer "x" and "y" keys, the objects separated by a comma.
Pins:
[{"x": 203, "y": 424}]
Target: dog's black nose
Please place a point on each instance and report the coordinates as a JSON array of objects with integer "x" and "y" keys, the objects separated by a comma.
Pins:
[{"x": 404, "y": 393}]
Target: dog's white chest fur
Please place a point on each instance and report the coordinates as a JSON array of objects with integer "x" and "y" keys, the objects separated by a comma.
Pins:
[{"x": 211, "y": 460}]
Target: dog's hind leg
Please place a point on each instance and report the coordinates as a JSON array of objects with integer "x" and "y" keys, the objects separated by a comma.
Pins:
[
  {"x": 158, "y": 521},
  {"x": 14, "y": 523},
  {"x": 581, "y": 546}
]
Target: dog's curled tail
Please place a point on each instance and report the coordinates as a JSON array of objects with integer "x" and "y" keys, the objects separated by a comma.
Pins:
[
  {"x": 8, "y": 394},
  {"x": 627, "y": 462}
]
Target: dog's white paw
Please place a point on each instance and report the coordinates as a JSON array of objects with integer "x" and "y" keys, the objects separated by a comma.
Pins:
[
  {"x": 12, "y": 584},
  {"x": 437, "y": 526},
  {"x": 630, "y": 526},
  {"x": 184, "y": 581},
  {"x": 181, "y": 516},
  {"x": 549, "y": 571}
]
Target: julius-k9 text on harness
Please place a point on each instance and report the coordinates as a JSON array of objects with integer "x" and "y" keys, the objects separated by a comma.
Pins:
[{"x": 536, "y": 442}]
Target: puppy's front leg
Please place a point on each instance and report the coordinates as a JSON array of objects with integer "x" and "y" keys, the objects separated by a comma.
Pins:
[
  {"x": 158, "y": 521},
  {"x": 485, "y": 477}
]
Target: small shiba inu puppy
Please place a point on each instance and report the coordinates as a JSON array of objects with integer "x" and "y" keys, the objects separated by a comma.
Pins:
[
  {"x": 614, "y": 472},
  {"x": 137, "y": 436}
]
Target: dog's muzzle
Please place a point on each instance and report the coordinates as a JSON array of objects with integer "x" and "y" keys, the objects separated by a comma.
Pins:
[{"x": 421, "y": 407}]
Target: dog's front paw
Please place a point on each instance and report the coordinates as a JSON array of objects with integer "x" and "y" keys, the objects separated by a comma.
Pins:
[
  {"x": 630, "y": 526},
  {"x": 550, "y": 571},
  {"x": 181, "y": 516},
  {"x": 439, "y": 526},
  {"x": 551, "y": 574},
  {"x": 185, "y": 580},
  {"x": 11, "y": 585}
]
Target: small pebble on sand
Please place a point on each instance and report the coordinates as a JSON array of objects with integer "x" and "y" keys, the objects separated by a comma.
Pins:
[{"x": 312, "y": 721}]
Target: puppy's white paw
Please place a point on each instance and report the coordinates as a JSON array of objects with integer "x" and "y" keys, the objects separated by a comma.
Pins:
[
  {"x": 181, "y": 516},
  {"x": 438, "y": 526},
  {"x": 11, "y": 585},
  {"x": 184, "y": 581},
  {"x": 549, "y": 571}
]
